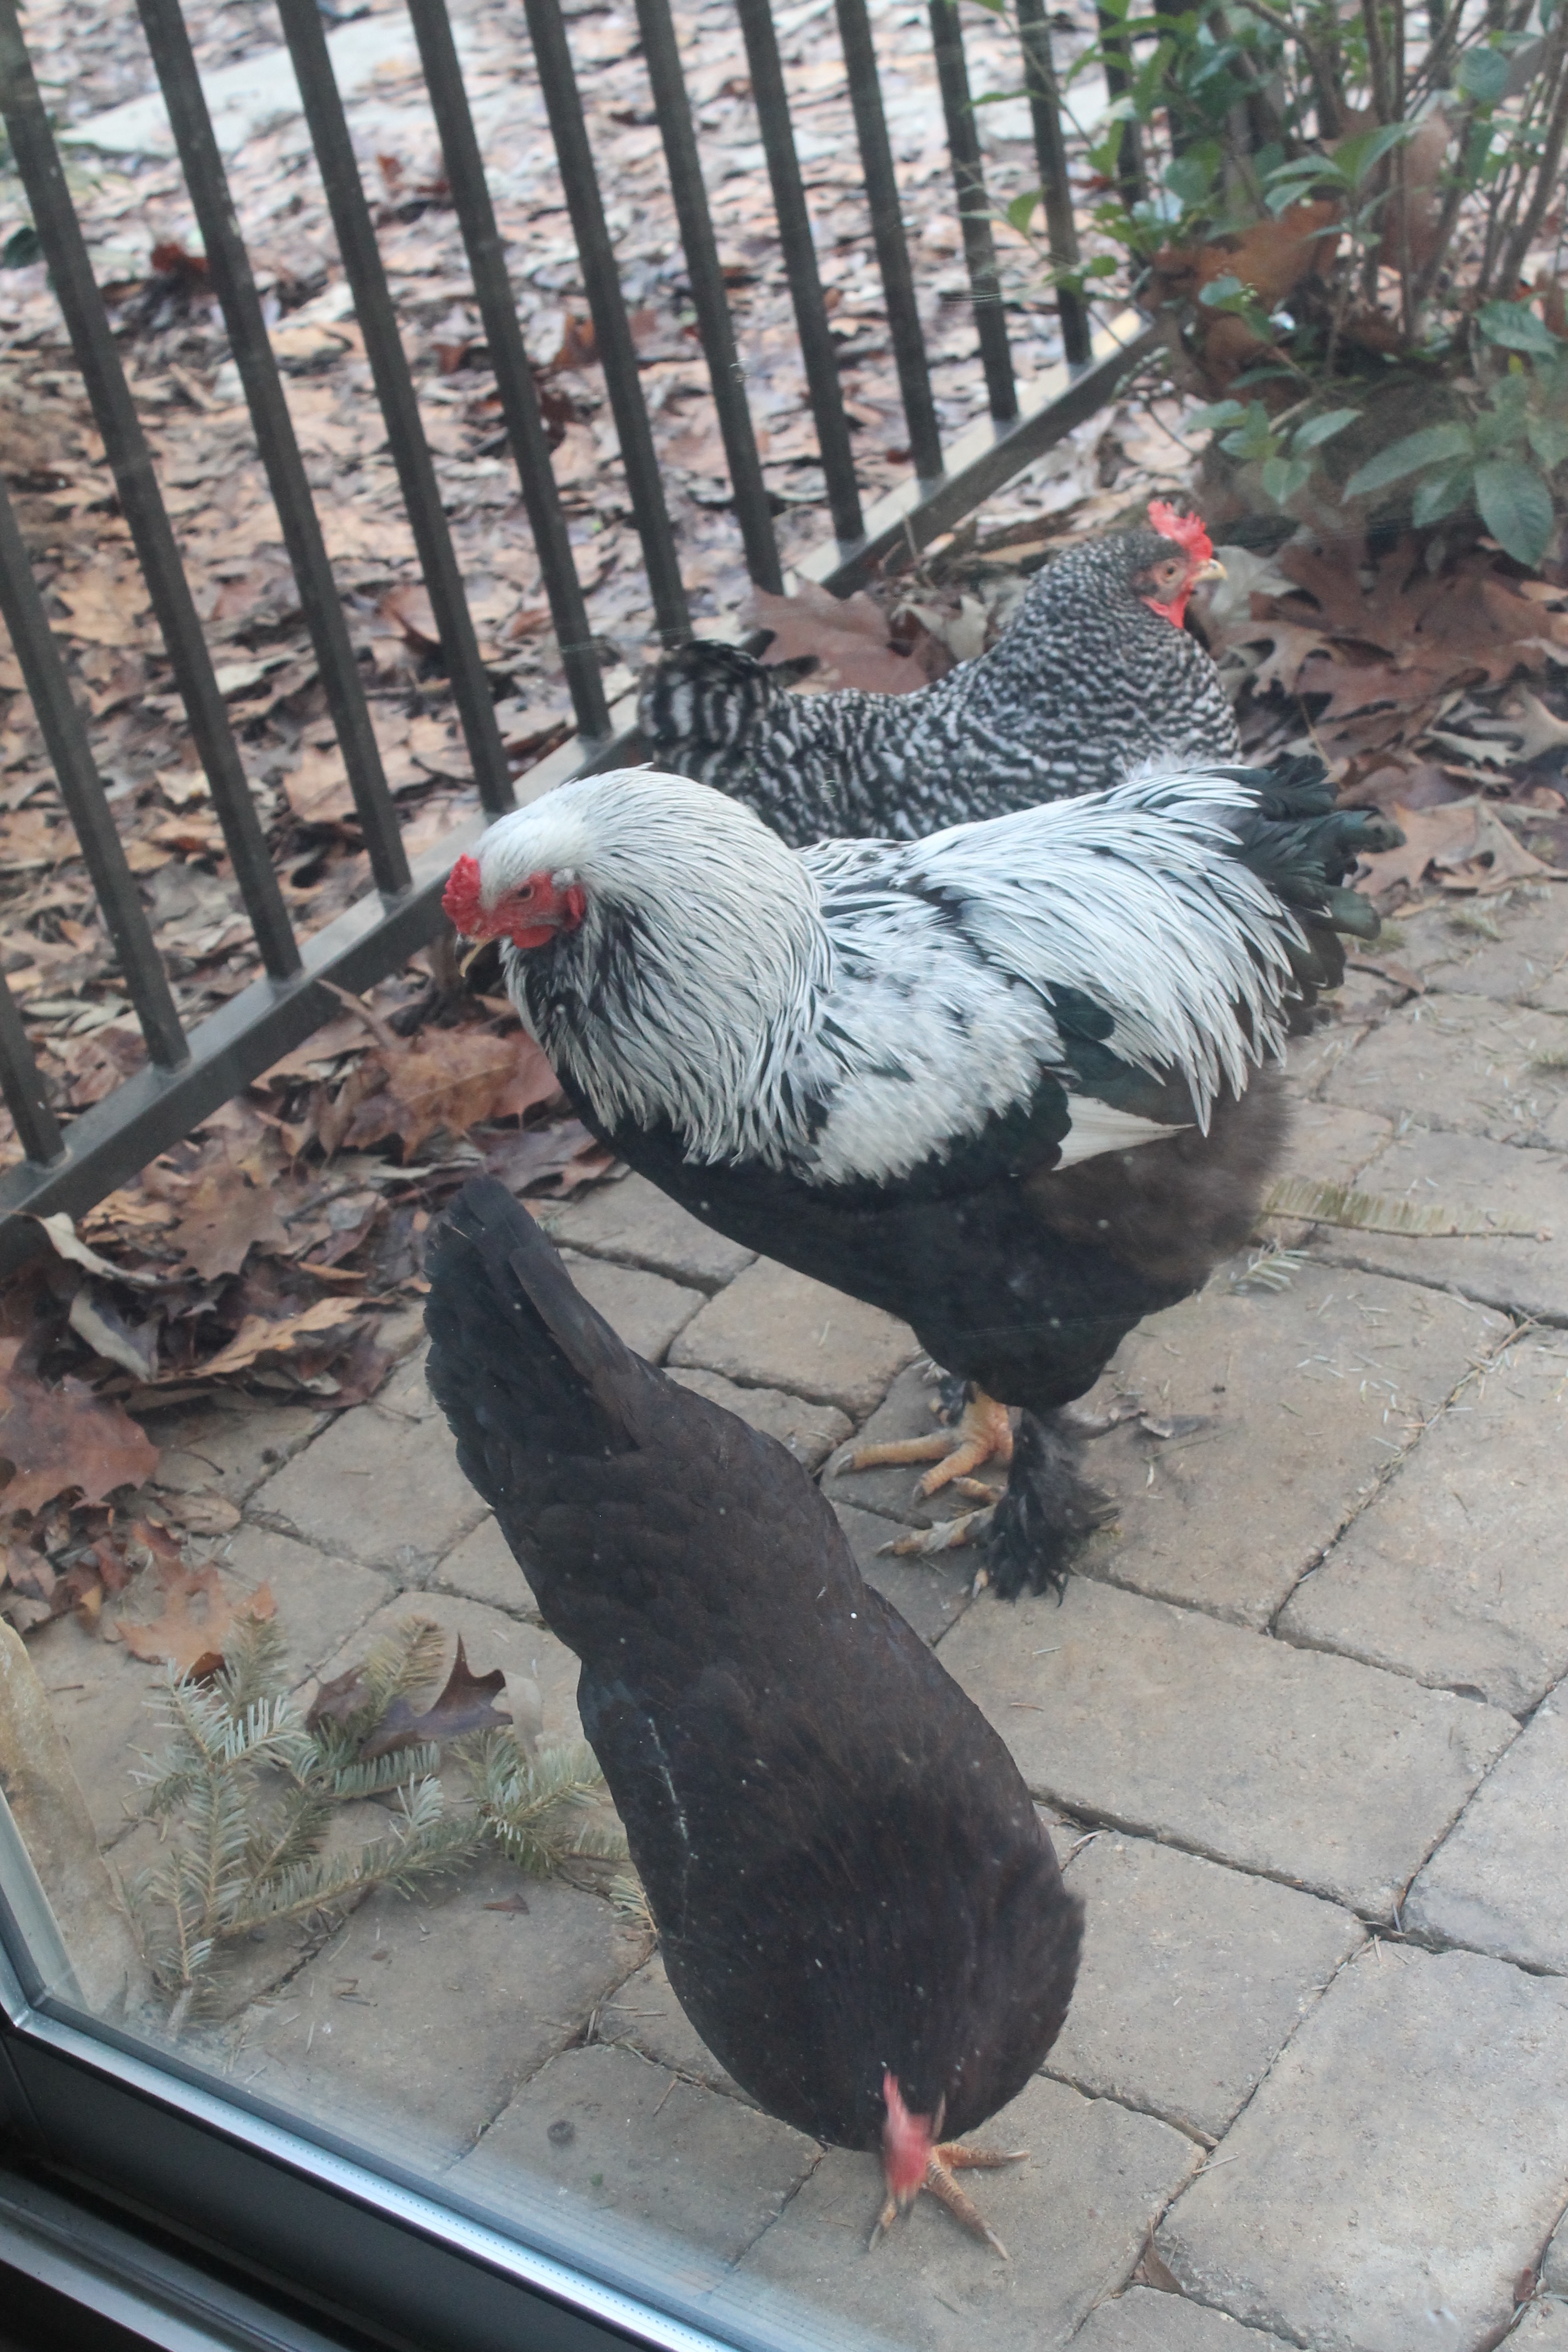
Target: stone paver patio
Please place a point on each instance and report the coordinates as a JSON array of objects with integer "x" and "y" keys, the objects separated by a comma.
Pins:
[{"x": 1301, "y": 1721}]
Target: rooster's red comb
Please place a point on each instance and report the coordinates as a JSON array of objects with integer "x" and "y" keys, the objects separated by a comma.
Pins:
[
  {"x": 461, "y": 901},
  {"x": 1187, "y": 530}
]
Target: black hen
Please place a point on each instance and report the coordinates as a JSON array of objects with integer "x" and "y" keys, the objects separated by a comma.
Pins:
[
  {"x": 859, "y": 1910},
  {"x": 1095, "y": 674}
]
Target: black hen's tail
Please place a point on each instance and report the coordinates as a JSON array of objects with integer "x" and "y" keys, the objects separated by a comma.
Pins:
[
  {"x": 524, "y": 1368},
  {"x": 1305, "y": 848},
  {"x": 708, "y": 697}
]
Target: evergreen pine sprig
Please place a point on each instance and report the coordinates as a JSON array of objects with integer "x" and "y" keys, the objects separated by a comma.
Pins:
[{"x": 246, "y": 1786}]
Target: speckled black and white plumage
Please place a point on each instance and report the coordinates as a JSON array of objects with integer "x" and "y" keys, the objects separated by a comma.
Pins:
[
  {"x": 1086, "y": 683},
  {"x": 1007, "y": 1084},
  {"x": 848, "y": 1876}
]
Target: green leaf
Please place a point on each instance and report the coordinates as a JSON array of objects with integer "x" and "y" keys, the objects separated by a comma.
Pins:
[
  {"x": 1021, "y": 211},
  {"x": 1516, "y": 327},
  {"x": 1283, "y": 477},
  {"x": 1483, "y": 75},
  {"x": 1516, "y": 508},
  {"x": 1104, "y": 264},
  {"x": 1221, "y": 290},
  {"x": 21, "y": 248},
  {"x": 1441, "y": 495},
  {"x": 1356, "y": 157},
  {"x": 1319, "y": 430},
  {"x": 1189, "y": 179},
  {"x": 1549, "y": 439},
  {"x": 1218, "y": 412},
  {"x": 1436, "y": 444}
]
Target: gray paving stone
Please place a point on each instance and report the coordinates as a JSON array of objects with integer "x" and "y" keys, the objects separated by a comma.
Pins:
[
  {"x": 380, "y": 1487},
  {"x": 776, "y": 1329},
  {"x": 319, "y": 1600},
  {"x": 1073, "y": 2219},
  {"x": 229, "y": 1449},
  {"x": 1497, "y": 1882},
  {"x": 1522, "y": 1275},
  {"x": 1555, "y": 2268},
  {"x": 636, "y": 1224},
  {"x": 1142, "y": 2321},
  {"x": 1304, "y": 1767},
  {"x": 1310, "y": 1060},
  {"x": 645, "y": 1309},
  {"x": 645, "y": 2016},
  {"x": 1457, "y": 1571},
  {"x": 640, "y": 2157},
  {"x": 809, "y": 1431},
  {"x": 1529, "y": 953},
  {"x": 102, "y": 1699},
  {"x": 929, "y": 1594},
  {"x": 1464, "y": 1062},
  {"x": 1400, "y": 2166},
  {"x": 1544, "y": 2329},
  {"x": 407, "y": 1393},
  {"x": 415, "y": 2054},
  {"x": 483, "y": 1567},
  {"x": 1299, "y": 1400},
  {"x": 1193, "y": 1978},
  {"x": 1326, "y": 1145},
  {"x": 541, "y": 1672}
]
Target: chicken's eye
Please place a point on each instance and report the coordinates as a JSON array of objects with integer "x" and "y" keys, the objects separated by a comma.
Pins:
[{"x": 523, "y": 892}]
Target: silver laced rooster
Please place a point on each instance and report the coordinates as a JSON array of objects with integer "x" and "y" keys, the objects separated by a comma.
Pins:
[
  {"x": 1009, "y": 1084},
  {"x": 1096, "y": 675}
]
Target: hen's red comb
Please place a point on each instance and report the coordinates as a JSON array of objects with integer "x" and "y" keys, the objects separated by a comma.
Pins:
[
  {"x": 1187, "y": 530},
  {"x": 461, "y": 900}
]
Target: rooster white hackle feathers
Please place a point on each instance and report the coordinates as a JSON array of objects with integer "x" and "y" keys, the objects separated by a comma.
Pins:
[{"x": 853, "y": 1011}]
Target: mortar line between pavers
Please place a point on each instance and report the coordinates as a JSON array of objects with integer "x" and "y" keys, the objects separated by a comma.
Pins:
[
  {"x": 791, "y": 2194},
  {"x": 1548, "y": 1320},
  {"x": 1382, "y": 1479},
  {"x": 634, "y": 1265},
  {"x": 1077, "y": 1810}
]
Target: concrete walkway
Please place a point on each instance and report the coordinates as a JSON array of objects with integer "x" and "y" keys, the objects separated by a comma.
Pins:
[{"x": 1300, "y": 1720}]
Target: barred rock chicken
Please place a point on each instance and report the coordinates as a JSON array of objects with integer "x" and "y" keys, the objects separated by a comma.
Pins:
[
  {"x": 1006, "y": 1084},
  {"x": 1096, "y": 675},
  {"x": 859, "y": 1909}
]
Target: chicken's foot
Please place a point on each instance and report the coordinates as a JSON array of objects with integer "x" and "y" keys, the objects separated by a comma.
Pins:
[
  {"x": 984, "y": 1433},
  {"x": 943, "y": 2164}
]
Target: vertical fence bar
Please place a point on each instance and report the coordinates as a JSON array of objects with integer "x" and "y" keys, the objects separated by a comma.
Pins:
[
  {"x": 772, "y": 101},
  {"x": 673, "y": 109},
  {"x": 514, "y": 377},
  {"x": 602, "y": 284},
  {"x": 140, "y": 502},
  {"x": 229, "y": 268},
  {"x": 887, "y": 232},
  {"x": 1131, "y": 184},
  {"x": 974, "y": 212},
  {"x": 352, "y": 225},
  {"x": 22, "y": 1084},
  {"x": 81, "y": 789},
  {"x": 1050, "y": 153}
]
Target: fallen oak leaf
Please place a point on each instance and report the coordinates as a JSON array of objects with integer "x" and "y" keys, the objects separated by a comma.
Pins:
[
  {"x": 132, "y": 1346},
  {"x": 59, "y": 1439},
  {"x": 1495, "y": 860},
  {"x": 62, "y": 1234},
  {"x": 258, "y": 1335},
  {"x": 221, "y": 1218},
  {"x": 465, "y": 1706},
  {"x": 1447, "y": 830},
  {"x": 192, "y": 1642}
]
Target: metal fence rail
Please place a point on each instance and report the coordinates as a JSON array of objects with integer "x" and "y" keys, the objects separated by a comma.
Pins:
[{"x": 187, "y": 1077}]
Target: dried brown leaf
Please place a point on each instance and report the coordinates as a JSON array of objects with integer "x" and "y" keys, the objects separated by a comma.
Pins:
[
  {"x": 222, "y": 1218},
  {"x": 196, "y": 1620},
  {"x": 465, "y": 1706},
  {"x": 59, "y": 1439},
  {"x": 260, "y": 1335}
]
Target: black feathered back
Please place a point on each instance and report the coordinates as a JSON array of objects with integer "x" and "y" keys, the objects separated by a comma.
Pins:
[{"x": 847, "y": 1870}]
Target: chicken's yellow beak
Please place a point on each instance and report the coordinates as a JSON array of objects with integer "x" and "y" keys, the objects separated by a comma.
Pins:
[{"x": 1213, "y": 569}]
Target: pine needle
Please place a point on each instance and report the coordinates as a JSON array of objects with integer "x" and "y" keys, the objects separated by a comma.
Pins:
[
  {"x": 247, "y": 1793},
  {"x": 1373, "y": 1213},
  {"x": 1269, "y": 1268}
]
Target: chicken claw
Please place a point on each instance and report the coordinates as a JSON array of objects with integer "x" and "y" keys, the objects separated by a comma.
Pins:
[
  {"x": 943, "y": 2163},
  {"x": 984, "y": 1433}
]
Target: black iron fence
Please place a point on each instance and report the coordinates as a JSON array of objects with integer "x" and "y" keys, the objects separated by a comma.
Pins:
[{"x": 188, "y": 1075}]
